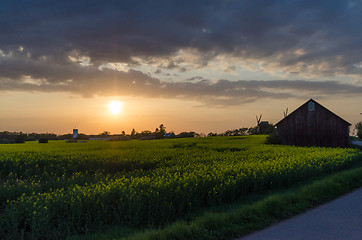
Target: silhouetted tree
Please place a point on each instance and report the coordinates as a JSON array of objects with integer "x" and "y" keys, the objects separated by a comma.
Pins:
[
  {"x": 160, "y": 131},
  {"x": 253, "y": 130},
  {"x": 105, "y": 133},
  {"x": 186, "y": 134},
  {"x": 146, "y": 133},
  {"x": 20, "y": 138},
  {"x": 43, "y": 140},
  {"x": 133, "y": 133}
]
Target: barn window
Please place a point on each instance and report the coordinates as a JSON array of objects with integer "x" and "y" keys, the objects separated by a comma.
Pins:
[{"x": 311, "y": 107}]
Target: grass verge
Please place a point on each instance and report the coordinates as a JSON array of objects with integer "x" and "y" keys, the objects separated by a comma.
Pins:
[{"x": 241, "y": 219}]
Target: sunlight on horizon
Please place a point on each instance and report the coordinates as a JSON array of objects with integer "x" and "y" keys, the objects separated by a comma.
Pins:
[{"x": 115, "y": 107}]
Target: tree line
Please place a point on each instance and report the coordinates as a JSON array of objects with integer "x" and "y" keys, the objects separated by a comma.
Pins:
[
  {"x": 21, "y": 137},
  {"x": 159, "y": 133}
]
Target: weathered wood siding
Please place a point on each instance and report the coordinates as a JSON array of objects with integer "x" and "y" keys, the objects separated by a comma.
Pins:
[{"x": 320, "y": 127}]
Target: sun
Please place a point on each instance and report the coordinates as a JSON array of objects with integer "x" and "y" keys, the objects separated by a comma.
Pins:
[{"x": 115, "y": 107}]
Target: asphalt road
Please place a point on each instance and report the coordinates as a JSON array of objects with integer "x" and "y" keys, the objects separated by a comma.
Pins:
[
  {"x": 340, "y": 219},
  {"x": 357, "y": 142}
]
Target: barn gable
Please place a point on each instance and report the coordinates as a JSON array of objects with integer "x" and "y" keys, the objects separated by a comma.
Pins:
[{"x": 313, "y": 125}]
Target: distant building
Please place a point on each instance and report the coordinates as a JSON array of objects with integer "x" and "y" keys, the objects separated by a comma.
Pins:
[
  {"x": 263, "y": 126},
  {"x": 313, "y": 125}
]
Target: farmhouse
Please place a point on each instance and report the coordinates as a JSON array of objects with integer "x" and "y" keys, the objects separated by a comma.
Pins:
[{"x": 313, "y": 125}]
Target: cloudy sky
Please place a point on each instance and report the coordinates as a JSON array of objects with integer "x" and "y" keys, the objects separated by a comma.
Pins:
[{"x": 192, "y": 65}]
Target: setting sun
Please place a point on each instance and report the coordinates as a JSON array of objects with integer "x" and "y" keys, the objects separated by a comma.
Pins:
[{"x": 115, "y": 107}]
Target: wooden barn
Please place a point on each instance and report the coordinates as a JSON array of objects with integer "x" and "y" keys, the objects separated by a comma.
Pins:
[{"x": 313, "y": 125}]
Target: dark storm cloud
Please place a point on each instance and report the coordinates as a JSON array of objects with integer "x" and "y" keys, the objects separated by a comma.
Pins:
[
  {"x": 304, "y": 37},
  {"x": 116, "y": 30}
]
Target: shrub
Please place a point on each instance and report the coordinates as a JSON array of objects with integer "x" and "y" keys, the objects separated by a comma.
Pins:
[
  {"x": 273, "y": 138},
  {"x": 20, "y": 138},
  {"x": 119, "y": 138},
  {"x": 43, "y": 140},
  {"x": 186, "y": 135},
  {"x": 30, "y": 138},
  {"x": 358, "y": 127}
]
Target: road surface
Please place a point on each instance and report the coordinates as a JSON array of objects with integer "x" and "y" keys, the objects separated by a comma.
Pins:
[{"x": 340, "y": 219}]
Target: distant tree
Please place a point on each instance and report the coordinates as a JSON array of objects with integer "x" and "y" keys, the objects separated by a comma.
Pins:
[
  {"x": 20, "y": 138},
  {"x": 123, "y": 133},
  {"x": 253, "y": 130},
  {"x": 50, "y": 136},
  {"x": 133, "y": 132},
  {"x": 160, "y": 131},
  {"x": 186, "y": 134},
  {"x": 105, "y": 133},
  {"x": 268, "y": 129},
  {"x": 120, "y": 138},
  {"x": 243, "y": 131},
  {"x": 43, "y": 140},
  {"x": 82, "y": 136},
  {"x": 5, "y": 135},
  {"x": 211, "y": 134},
  {"x": 358, "y": 127},
  {"x": 30, "y": 138},
  {"x": 235, "y": 132},
  {"x": 63, "y": 137},
  {"x": 170, "y": 135},
  {"x": 146, "y": 133}
]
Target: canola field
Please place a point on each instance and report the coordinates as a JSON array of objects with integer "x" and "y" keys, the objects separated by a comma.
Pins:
[{"x": 55, "y": 190}]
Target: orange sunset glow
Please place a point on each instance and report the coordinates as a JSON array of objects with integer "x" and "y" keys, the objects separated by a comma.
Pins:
[
  {"x": 155, "y": 119},
  {"x": 199, "y": 72}
]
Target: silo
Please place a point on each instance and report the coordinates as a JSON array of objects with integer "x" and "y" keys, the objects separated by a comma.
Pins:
[{"x": 75, "y": 133}]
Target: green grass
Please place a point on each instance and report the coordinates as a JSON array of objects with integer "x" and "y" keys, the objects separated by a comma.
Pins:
[
  {"x": 60, "y": 189},
  {"x": 229, "y": 222}
]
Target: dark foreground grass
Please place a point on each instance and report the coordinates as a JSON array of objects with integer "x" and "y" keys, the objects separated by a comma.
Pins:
[{"x": 241, "y": 219}]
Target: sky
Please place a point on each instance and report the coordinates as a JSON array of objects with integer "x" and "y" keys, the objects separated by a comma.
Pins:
[{"x": 204, "y": 66}]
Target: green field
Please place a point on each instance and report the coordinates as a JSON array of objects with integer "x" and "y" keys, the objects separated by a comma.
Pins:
[{"x": 56, "y": 190}]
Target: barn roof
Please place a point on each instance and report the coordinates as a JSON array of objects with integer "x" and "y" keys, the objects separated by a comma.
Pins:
[{"x": 312, "y": 100}]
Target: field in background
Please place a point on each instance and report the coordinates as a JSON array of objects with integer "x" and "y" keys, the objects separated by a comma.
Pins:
[{"x": 59, "y": 189}]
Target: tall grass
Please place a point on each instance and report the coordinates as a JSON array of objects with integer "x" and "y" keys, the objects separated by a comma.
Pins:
[{"x": 56, "y": 190}]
